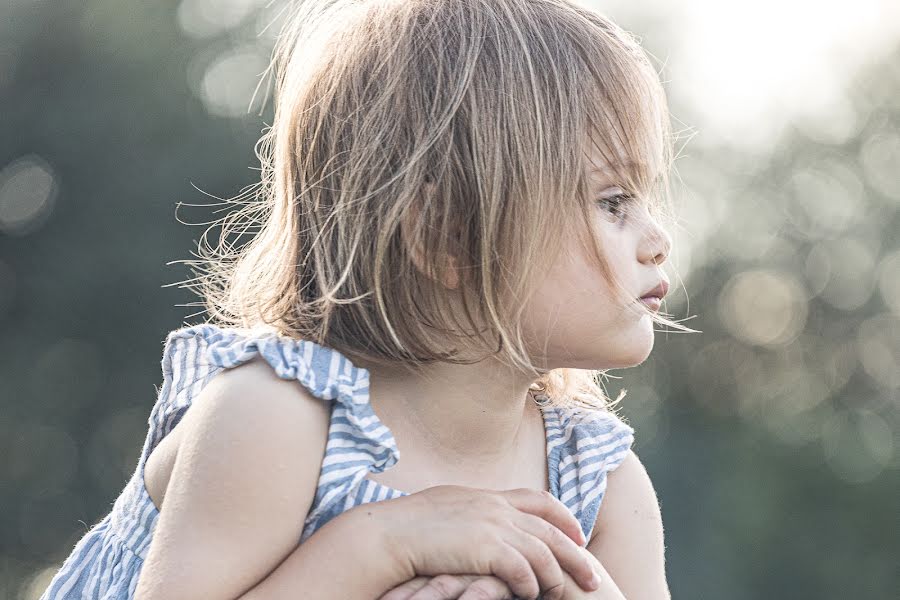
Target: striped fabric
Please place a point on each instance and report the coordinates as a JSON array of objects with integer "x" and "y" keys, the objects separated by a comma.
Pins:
[{"x": 582, "y": 447}]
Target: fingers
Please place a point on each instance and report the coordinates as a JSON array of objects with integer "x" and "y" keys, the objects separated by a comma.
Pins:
[
  {"x": 543, "y": 504},
  {"x": 406, "y": 590},
  {"x": 513, "y": 567},
  {"x": 445, "y": 587},
  {"x": 487, "y": 587},
  {"x": 574, "y": 559},
  {"x": 542, "y": 561}
]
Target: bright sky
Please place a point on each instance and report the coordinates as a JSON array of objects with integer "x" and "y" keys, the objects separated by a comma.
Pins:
[{"x": 744, "y": 68}]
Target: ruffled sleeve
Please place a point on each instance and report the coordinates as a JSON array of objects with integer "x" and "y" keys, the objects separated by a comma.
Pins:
[
  {"x": 193, "y": 355},
  {"x": 584, "y": 445}
]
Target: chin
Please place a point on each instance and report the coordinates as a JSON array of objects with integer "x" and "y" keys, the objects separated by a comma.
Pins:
[
  {"x": 619, "y": 352},
  {"x": 621, "y": 360},
  {"x": 631, "y": 355},
  {"x": 625, "y": 363}
]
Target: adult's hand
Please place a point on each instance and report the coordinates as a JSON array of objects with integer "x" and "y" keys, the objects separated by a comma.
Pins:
[
  {"x": 488, "y": 587},
  {"x": 451, "y": 587}
]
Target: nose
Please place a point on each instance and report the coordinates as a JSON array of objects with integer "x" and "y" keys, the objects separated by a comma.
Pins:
[{"x": 656, "y": 243}]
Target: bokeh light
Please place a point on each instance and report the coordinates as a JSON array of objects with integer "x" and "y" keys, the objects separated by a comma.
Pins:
[
  {"x": 227, "y": 84},
  {"x": 27, "y": 192},
  {"x": 207, "y": 18},
  {"x": 851, "y": 269},
  {"x": 764, "y": 307},
  {"x": 827, "y": 198}
]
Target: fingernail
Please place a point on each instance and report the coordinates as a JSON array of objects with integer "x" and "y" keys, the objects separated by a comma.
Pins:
[{"x": 595, "y": 581}]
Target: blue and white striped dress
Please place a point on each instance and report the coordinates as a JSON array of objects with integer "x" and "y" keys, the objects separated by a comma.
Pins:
[{"x": 582, "y": 447}]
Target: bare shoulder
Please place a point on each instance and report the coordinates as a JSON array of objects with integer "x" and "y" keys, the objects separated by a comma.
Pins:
[
  {"x": 252, "y": 396},
  {"x": 256, "y": 374},
  {"x": 251, "y": 402},
  {"x": 628, "y": 532},
  {"x": 242, "y": 482}
]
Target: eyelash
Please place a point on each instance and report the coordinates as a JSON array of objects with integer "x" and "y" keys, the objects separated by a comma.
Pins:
[{"x": 619, "y": 199}]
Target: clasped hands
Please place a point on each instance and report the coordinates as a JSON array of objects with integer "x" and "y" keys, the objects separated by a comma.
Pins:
[
  {"x": 480, "y": 587},
  {"x": 485, "y": 539}
]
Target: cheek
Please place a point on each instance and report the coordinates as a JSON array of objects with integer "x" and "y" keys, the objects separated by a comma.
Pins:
[
  {"x": 574, "y": 320},
  {"x": 584, "y": 334},
  {"x": 573, "y": 309},
  {"x": 581, "y": 283}
]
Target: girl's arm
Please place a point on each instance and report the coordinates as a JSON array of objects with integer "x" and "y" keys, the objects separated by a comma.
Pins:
[
  {"x": 242, "y": 483},
  {"x": 628, "y": 533},
  {"x": 347, "y": 559}
]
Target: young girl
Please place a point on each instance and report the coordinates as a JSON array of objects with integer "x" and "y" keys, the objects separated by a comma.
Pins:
[{"x": 457, "y": 230}]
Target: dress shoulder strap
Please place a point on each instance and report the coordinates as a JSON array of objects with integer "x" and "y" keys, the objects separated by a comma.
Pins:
[
  {"x": 358, "y": 443},
  {"x": 583, "y": 445},
  {"x": 192, "y": 355}
]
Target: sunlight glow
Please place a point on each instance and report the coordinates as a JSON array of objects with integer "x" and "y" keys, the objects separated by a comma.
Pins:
[{"x": 745, "y": 69}]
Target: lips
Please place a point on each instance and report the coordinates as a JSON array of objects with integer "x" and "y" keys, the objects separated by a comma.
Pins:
[
  {"x": 659, "y": 292},
  {"x": 652, "y": 302},
  {"x": 653, "y": 298}
]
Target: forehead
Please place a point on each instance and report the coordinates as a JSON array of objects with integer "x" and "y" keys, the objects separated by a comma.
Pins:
[
  {"x": 603, "y": 154},
  {"x": 616, "y": 166},
  {"x": 606, "y": 170},
  {"x": 626, "y": 150},
  {"x": 602, "y": 172}
]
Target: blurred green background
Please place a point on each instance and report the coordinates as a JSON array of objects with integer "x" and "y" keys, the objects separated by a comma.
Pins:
[{"x": 771, "y": 437}]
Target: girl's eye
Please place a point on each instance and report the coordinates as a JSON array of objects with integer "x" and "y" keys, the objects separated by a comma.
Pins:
[{"x": 617, "y": 204}]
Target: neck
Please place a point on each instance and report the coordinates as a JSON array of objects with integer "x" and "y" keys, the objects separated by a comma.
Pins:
[{"x": 466, "y": 415}]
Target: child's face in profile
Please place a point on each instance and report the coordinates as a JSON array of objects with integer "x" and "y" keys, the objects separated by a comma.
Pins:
[{"x": 575, "y": 309}]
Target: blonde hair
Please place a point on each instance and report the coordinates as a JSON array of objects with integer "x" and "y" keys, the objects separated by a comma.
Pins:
[{"x": 408, "y": 131}]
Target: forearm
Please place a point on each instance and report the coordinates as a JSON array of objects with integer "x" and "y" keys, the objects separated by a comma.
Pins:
[{"x": 344, "y": 560}]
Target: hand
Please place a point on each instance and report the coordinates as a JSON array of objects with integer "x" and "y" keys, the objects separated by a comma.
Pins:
[
  {"x": 608, "y": 589},
  {"x": 452, "y": 587},
  {"x": 481, "y": 587},
  {"x": 526, "y": 538}
]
